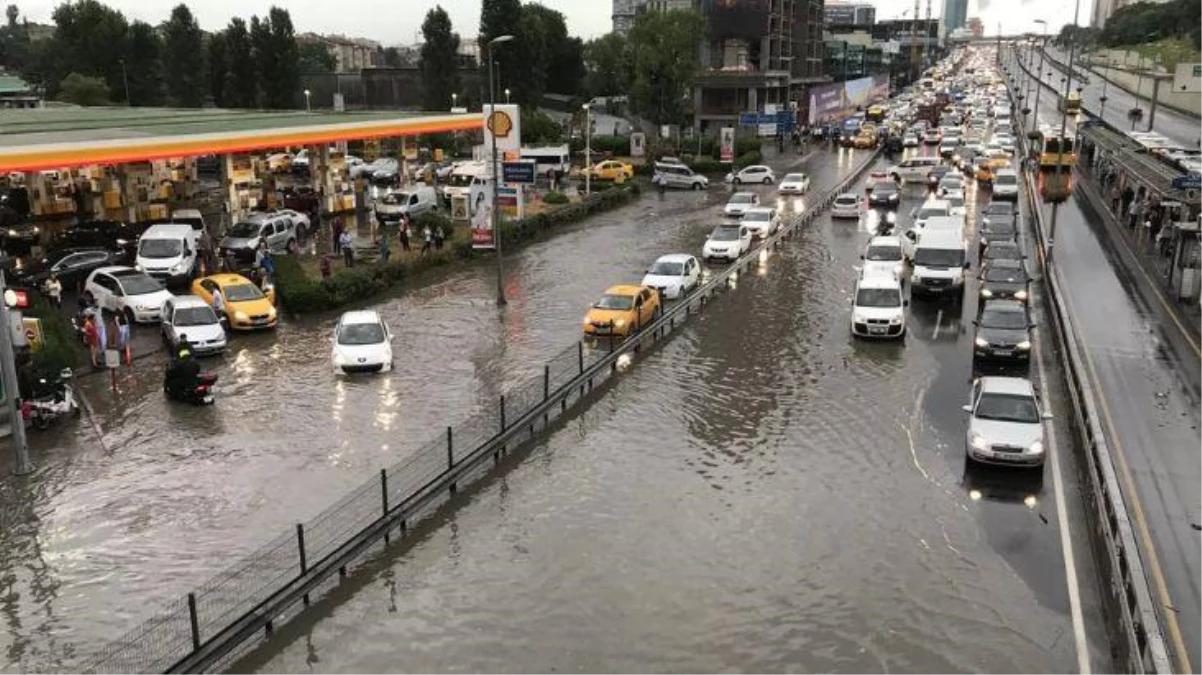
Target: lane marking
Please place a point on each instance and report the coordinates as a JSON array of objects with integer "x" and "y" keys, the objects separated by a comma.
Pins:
[
  {"x": 1066, "y": 538},
  {"x": 938, "y": 322},
  {"x": 1136, "y": 506},
  {"x": 914, "y": 453}
]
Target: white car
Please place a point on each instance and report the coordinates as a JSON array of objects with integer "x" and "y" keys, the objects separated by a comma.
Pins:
[
  {"x": 1005, "y": 425},
  {"x": 739, "y": 203},
  {"x": 932, "y": 137},
  {"x": 756, "y": 173},
  {"x": 762, "y": 221},
  {"x": 885, "y": 255},
  {"x": 794, "y": 184},
  {"x": 1005, "y": 142},
  {"x": 673, "y": 275},
  {"x": 951, "y": 182},
  {"x": 931, "y": 209},
  {"x": 910, "y": 140},
  {"x": 190, "y": 317},
  {"x": 727, "y": 242},
  {"x": 1005, "y": 185},
  {"x": 955, "y": 203},
  {"x": 847, "y": 205},
  {"x": 127, "y": 291},
  {"x": 878, "y": 307},
  {"x": 362, "y": 344},
  {"x": 300, "y": 220}
]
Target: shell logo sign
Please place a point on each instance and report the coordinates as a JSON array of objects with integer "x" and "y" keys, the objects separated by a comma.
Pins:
[
  {"x": 500, "y": 123},
  {"x": 505, "y": 124}
]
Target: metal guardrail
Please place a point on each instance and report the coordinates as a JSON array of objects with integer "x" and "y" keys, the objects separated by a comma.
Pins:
[
  {"x": 1141, "y": 648},
  {"x": 212, "y": 625}
]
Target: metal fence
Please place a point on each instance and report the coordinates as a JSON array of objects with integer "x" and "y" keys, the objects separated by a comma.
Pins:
[{"x": 202, "y": 630}]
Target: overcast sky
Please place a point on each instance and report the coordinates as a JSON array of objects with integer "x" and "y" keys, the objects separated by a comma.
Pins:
[{"x": 399, "y": 21}]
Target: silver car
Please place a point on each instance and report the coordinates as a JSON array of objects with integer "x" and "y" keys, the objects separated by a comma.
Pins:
[{"x": 1005, "y": 424}]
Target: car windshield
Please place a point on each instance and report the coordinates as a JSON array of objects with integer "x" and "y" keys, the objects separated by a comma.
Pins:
[
  {"x": 954, "y": 201},
  {"x": 1005, "y": 179},
  {"x": 725, "y": 234},
  {"x": 1008, "y": 319},
  {"x": 244, "y": 230},
  {"x": 795, "y": 178},
  {"x": 939, "y": 257},
  {"x": 999, "y": 208},
  {"x": 743, "y": 199},
  {"x": 361, "y": 334},
  {"x": 195, "y": 316},
  {"x": 1005, "y": 274},
  {"x": 878, "y": 297},
  {"x": 242, "y": 292},
  {"x": 1002, "y": 249},
  {"x": 609, "y": 301},
  {"x": 138, "y": 284},
  {"x": 665, "y": 268},
  {"x": 757, "y": 216},
  {"x": 886, "y": 252},
  {"x": 885, "y": 187},
  {"x": 159, "y": 248},
  {"x": 1007, "y": 408},
  {"x": 391, "y": 199}
]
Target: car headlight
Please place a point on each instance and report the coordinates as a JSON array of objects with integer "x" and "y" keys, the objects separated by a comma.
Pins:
[
  {"x": 891, "y": 217},
  {"x": 986, "y": 293},
  {"x": 619, "y": 322},
  {"x": 587, "y": 321},
  {"x": 1037, "y": 448},
  {"x": 915, "y": 277},
  {"x": 1020, "y": 295},
  {"x": 12, "y": 232},
  {"x": 143, "y": 308},
  {"x": 179, "y": 267},
  {"x": 978, "y": 441},
  {"x": 895, "y": 320},
  {"x": 981, "y": 342},
  {"x": 1024, "y": 345},
  {"x": 241, "y": 316},
  {"x": 893, "y": 197},
  {"x": 858, "y": 318}
]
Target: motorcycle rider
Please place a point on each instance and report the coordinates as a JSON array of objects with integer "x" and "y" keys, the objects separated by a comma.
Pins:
[{"x": 183, "y": 373}]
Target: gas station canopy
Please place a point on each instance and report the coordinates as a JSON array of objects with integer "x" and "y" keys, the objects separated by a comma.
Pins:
[{"x": 50, "y": 138}]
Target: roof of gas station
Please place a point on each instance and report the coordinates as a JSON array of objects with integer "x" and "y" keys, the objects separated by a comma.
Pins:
[{"x": 55, "y": 138}]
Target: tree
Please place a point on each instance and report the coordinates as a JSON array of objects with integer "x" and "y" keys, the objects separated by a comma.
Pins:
[
  {"x": 663, "y": 48},
  {"x": 14, "y": 40},
  {"x": 566, "y": 73},
  {"x": 392, "y": 57},
  {"x": 439, "y": 62},
  {"x": 84, "y": 90},
  {"x": 497, "y": 18},
  {"x": 219, "y": 68},
  {"x": 539, "y": 129},
  {"x": 314, "y": 57},
  {"x": 242, "y": 52},
  {"x": 279, "y": 59},
  {"x": 607, "y": 65},
  {"x": 184, "y": 59},
  {"x": 89, "y": 39},
  {"x": 1144, "y": 22},
  {"x": 144, "y": 65}
]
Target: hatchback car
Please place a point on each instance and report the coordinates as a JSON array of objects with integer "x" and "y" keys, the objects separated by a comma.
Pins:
[
  {"x": 673, "y": 275},
  {"x": 362, "y": 344},
  {"x": 127, "y": 291},
  {"x": 246, "y": 306},
  {"x": 739, "y": 203},
  {"x": 1003, "y": 332},
  {"x": 847, "y": 205},
  {"x": 794, "y": 184},
  {"x": 1005, "y": 279},
  {"x": 727, "y": 242},
  {"x": 884, "y": 255},
  {"x": 762, "y": 221},
  {"x": 885, "y": 193},
  {"x": 756, "y": 173},
  {"x": 190, "y": 318},
  {"x": 878, "y": 307},
  {"x": 622, "y": 310},
  {"x": 1000, "y": 250},
  {"x": 1005, "y": 425}
]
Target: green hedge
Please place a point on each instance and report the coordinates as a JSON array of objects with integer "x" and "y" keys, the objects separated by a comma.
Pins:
[
  {"x": 301, "y": 294},
  {"x": 60, "y": 348},
  {"x": 619, "y": 146},
  {"x": 555, "y": 197},
  {"x": 748, "y": 158}
]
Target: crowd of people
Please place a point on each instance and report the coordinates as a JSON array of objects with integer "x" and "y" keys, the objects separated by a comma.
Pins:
[
  {"x": 342, "y": 242},
  {"x": 1144, "y": 214}
]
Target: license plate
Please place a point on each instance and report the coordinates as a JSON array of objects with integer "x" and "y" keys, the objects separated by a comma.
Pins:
[
  {"x": 876, "y": 330},
  {"x": 1004, "y": 352}
]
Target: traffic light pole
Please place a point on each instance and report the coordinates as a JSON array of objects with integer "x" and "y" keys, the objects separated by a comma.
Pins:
[{"x": 12, "y": 390}]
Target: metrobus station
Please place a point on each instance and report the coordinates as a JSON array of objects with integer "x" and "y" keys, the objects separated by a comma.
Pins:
[{"x": 138, "y": 164}]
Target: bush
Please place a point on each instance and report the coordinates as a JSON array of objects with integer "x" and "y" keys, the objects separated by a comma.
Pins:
[
  {"x": 60, "y": 349},
  {"x": 748, "y": 158},
  {"x": 555, "y": 197},
  {"x": 434, "y": 219},
  {"x": 746, "y": 144},
  {"x": 707, "y": 165}
]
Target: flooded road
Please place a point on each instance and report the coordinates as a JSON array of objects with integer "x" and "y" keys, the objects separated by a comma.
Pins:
[
  {"x": 152, "y": 499},
  {"x": 762, "y": 493}
]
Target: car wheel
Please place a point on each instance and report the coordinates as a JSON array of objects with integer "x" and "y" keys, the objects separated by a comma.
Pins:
[
  {"x": 696, "y": 186},
  {"x": 767, "y": 181},
  {"x": 737, "y": 180}
]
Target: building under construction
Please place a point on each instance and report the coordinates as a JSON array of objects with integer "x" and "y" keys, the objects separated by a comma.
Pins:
[{"x": 759, "y": 55}]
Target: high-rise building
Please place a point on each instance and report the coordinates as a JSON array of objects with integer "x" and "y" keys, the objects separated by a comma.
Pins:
[
  {"x": 758, "y": 54},
  {"x": 625, "y": 11},
  {"x": 1102, "y": 9},
  {"x": 955, "y": 13}
]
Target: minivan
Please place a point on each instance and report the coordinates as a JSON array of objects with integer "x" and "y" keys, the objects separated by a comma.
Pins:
[
  {"x": 914, "y": 169},
  {"x": 168, "y": 252},
  {"x": 277, "y": 229},
  {"x": 677, "y": 176},
  {"x": 940, "y": 259}
]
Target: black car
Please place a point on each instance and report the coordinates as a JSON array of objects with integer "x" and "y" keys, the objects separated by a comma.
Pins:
[
  {"x": 70, "y": 265},
  {"x": 1003, "y": 332},
  {"x": 995, "y": 209},
  {"x": 1005, "y": 280},
  {"x": 19, "y": 238},
  {"x": 893, "y": 144},
  {"x": 1001, "y": 250},
  {"x": 997, "y": 230},
  {"x": 884, "y": 193},
  {"x": 936, "y": 174},
  {"x": 113, "y": 235}
]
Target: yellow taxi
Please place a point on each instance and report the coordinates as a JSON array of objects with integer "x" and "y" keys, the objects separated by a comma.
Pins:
[
  {"x": 622, "y": 310},
  {"x": 864, "y": 139},
  {"x": 988, "y": 169},
  {"x": 612, "y": 169},
  {"x": 247, "y": 307}
]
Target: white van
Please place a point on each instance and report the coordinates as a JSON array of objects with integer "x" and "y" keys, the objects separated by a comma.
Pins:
[
  {"x": 412, "y": 201},
  {"x": 913, "y": 169},
  {"x": 167, "y": 252},
  {"x": 549, "y": 161},
  {"x": 459, "y": 183},
  {"x": 940, "y": 261},
  {"x": 879, "y": 307}
]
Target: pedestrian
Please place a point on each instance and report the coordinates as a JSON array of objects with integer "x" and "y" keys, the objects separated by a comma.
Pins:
[
  {"x": 385, "y": 252},
  {"x": 439, "y": 237},
  {"x": 427, "y": 239},
  {"x": 1115, "y": 197},
  {"x": 218, "y": 302},
  {"x": 1128, "y": 196},
  {"x": 102, "y": 335},
  {"x": 54, "y": 288},
  {"x": 1133, "y": 212},
  {"x": 91, "y": 338},
  {"x": 344, "y": 244},
  {"x": 403, "y": 232},
  {"x": 267, "y": 262},
  {"x": 324, "y": 266},
  {"x": 121, "y": 338},
  {"x": 338, "y": 232}
]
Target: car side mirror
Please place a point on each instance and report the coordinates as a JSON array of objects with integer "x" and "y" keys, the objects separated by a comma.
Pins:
[
  {"x": 905, "y": 303},
  {"x": 1047, "y": 416},
  {"x": 966, "y": 408}
]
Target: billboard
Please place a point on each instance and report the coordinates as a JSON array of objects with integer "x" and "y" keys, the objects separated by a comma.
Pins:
[
  {"x": 737, "y": 18},
  {"x": 481, "y": 212},
  {"x": 833, "y": 102}
]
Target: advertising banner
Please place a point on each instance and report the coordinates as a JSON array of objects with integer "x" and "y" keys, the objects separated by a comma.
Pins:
[
  {"x": 728, "y": 144},
  {"x": 835, "y": 101},
  {"x": 481, "y": 210},
  {"x": 638, "y": 144},
  {"x": 509, "y": 201},
  {"x": 506, "y": 124}
]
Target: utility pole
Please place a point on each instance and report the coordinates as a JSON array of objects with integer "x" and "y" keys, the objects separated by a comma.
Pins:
[
  {"x": 1068, "y": 83},
  {"x": 12, "y": 389},
  {"x": 1155, "y": 94}
]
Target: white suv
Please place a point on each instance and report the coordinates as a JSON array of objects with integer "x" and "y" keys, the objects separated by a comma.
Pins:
[{"x": 878, "y": 307}]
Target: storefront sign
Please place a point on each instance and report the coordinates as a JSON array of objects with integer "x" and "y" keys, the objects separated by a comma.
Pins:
[
  {"x": 504, "y": 122},
  {"x": 728, "y": 144},
  {"x": 33, "y": 333}
]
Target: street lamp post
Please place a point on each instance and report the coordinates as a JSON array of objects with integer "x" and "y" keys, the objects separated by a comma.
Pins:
[
  {"x": 492, "y": 111},
  {"x": 308, "y": 101},
  {"x": 1068, "y": 81},
  {"x": 588, "y": 150},
  {"x": 506, "y": 95},
  {"x": 1039, "y": 72},
  {"x": 125, "y": 82},
  {"x": 1102, "y": 99},
  {"x": 454, "y": 100}
]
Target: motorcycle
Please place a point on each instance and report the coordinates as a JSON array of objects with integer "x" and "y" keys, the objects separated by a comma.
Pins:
[
  {"x": 198, "y": 392},
  {"x": 50, "y": 400}
]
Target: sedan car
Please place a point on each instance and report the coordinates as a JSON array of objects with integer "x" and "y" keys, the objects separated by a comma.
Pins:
[
  {"x": 794, "y": 184},
  {"x": 622, "y": 310},
  {"x": 1003, "y": 332},
  {"x": 70, "y": 265},
  {"x": 727, "y": 242},
  {"x": 245, "y": 305},
  {"x": 910, "y": 140},
  {"x": 762, "y": 221},
  {"x": 932, "y": 137},
  {"x": 874, "y": 178},
  {"x": 949, "y": 182},
  {"x": 362, "y": 344},
  {"x": 847, "y": 205},
  {"x": 1005, "y": 425},
  {"x": 1005, "y": 280},
  {"x": 739, "y": 203},
  {"x": 125, "y": 290},
  {"x": 756, "y": 173},
  {"x": 189, "y": 318},
  {"x": 885, "y": 193},
  {"x": 673, "y": 275}
]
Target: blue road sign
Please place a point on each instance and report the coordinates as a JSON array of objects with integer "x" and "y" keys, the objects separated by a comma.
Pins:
[
  {"x": 517, "y": 172},
  {"x": 1190, "y": 182}
]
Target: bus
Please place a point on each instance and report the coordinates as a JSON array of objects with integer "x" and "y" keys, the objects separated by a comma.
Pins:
[
  {"x": 1071, "y": 104},
  {"x": 1054, "y": 150}
]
